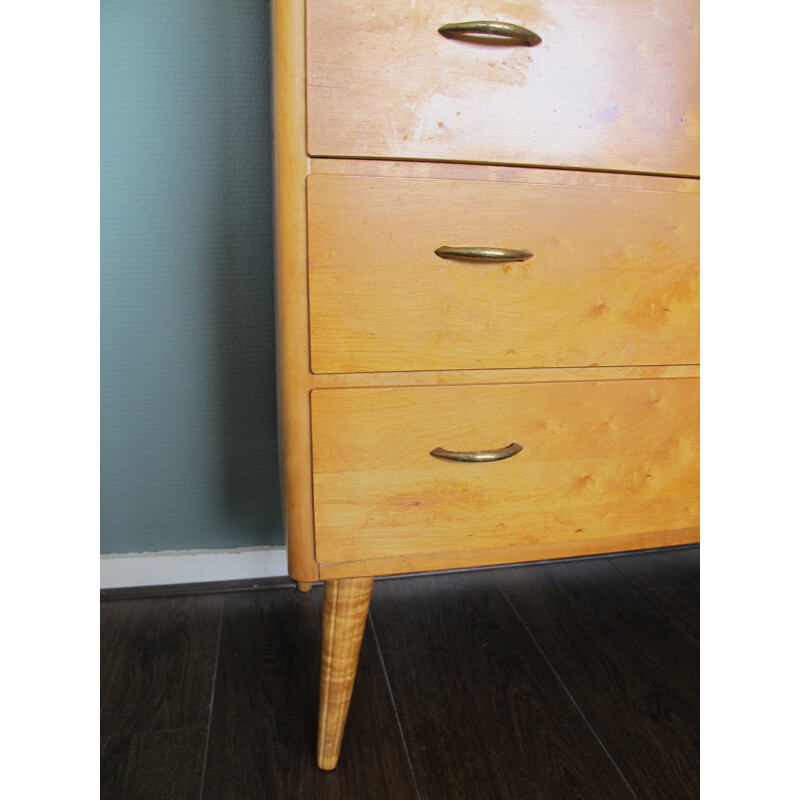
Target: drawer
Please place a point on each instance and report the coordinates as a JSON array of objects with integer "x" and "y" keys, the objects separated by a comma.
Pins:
[
  {"x": 612, "y": 85},
  {"x": 601, "y": 459},
  {"x": 613, "y": 279}
]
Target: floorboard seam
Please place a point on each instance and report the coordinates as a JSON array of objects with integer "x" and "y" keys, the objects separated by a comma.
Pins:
[
  {"x": 211, "y": 700},
  {"x": 647, "y": 596},
  {"x": 563, "y": 685},
  {"x": 394, "y": 707}
]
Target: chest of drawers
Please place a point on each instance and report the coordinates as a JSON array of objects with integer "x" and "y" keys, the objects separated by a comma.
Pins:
[{"x": 486, "y": 290}]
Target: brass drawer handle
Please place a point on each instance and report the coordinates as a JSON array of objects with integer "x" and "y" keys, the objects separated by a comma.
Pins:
[
  {"x": 507, "y": 31},
  {"x": 478, "y": 455},
  {"x": 482, "y": 253}
]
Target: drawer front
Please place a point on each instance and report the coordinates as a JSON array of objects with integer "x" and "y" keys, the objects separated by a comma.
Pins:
[
  {"x": 613, "y": 279},
  {"x": 612, "y": 85},
  {"x": 602, "y": 459}
]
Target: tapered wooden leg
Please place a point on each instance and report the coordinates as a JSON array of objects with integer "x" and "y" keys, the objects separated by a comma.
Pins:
[
  {"x": 302, "y": 586},
  {"x": 343, "y": 620}
]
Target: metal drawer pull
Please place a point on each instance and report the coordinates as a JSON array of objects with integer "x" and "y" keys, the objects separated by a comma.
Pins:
[
  {"x": 482, "y": 253},
  {"x": 504, "y": 30},
  {"x": 478, "y": 455}
]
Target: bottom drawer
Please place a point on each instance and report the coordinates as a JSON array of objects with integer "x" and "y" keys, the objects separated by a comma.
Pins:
[{"x": 598, "y": 460}]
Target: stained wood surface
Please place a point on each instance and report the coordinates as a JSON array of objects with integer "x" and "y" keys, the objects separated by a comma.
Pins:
[
  {"x": 520, "y": 736},
  {"x": 671, "y": 580},
  {"x": 477, "y": 704},
  {"x": 157, "y": 662},
  {"x": 612, "y": 85},
  {"x": 613, "y": 280},
  {"x": 262, "y": 739},
  {"x": 164, "y": 765},
  {"x": 599, "y": 460},
  {"x": 635, "y": 675},
  {"x": 157, "y": 659}
]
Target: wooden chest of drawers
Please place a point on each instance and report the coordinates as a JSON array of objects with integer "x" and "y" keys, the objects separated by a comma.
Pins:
[{"x": 487, "y": 290}]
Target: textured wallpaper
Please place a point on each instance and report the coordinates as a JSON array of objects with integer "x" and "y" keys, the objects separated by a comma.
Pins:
[{"x": 188, "y": 433}]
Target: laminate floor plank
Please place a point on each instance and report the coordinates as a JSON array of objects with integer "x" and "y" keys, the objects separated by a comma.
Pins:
[
  {"x": 157, "y": 659},
  {"x": 576, "y": 679},
  {"x": 671, "y": 580},
  {"x": 483, "y": 714},
  {"x": 165, "y": 765},
  {"x": 634, "y": 674},
  {"x": 262, "y": 740}
]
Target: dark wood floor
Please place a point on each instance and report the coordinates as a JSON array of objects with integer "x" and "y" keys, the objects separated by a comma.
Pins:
[{"x": 572, "y": 679}]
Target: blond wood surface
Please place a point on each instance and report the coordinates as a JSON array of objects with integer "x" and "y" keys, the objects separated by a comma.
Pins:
[
  {"x": 346, "y": 603},
  {"x": 291, "y": 291},
  {"x": 302, "y": 586},
  {"x": 500, "y": 174},
  {"x": 465, "y": 559},
  {"x": 600, "y": 385},
  {"x": 600, "y": 460},
  {"x": 613, "y": 279},
  {"x": 612, "y": 86},
  {"x": 346, "y": 380}
]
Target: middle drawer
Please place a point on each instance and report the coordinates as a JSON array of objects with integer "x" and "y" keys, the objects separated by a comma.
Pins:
[{"x": 612, "y": 279}]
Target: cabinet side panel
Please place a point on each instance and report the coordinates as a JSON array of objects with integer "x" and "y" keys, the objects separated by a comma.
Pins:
[{"x": 291, "y": 168}]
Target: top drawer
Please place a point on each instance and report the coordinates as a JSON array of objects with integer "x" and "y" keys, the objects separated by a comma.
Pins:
[{"x": 612, "y": 85}]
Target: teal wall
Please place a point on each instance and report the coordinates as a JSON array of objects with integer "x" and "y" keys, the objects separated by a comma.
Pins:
[{"x": 188, "y": 434}]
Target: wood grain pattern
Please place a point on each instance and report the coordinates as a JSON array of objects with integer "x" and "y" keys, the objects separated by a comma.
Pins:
[
  {"x": 599, "y": 460},
  {"x": 164, "y": 765},
  {"x": 587, "y": 355},
  {"x": 483, "y": 715},
  {"x": 482, "y": 557},
  {"x": 346, "y": 604},
  {"x": 633, "y": 673},
  {"x": 498, "y": 173},
  {"x": 671, "y": 580},
  {"x": 612, "y": 86},
  {"x": 345, "y": 380},
  {"x": 614, "y": 279},
  {"x": 264, "y": 719},
  {"x": 157, "y": 663},
  {"x": 483, "y": 712},
  {"x": 291, "y": 291}
]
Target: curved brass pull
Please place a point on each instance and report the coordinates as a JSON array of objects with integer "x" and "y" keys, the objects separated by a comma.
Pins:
[
  {"x": 514, "y": 34},
  {"x": 482, "y": 253},
  {"x": 478, "y": 455}
]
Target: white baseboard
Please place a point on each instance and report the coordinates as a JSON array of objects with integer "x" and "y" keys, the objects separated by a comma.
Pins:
[{"x": 191, "y": 566}]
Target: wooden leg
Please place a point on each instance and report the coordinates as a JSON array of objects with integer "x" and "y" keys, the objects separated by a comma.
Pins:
[
  {"x": 344, "y": 617},
  {"x": 302, "y": 586}
]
